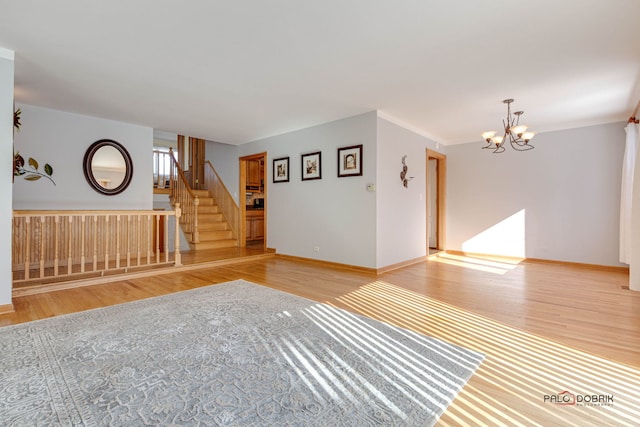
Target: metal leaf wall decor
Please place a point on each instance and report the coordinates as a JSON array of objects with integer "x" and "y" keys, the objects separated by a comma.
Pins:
[
  {"x": 32, "y": 173},
  {"x": 403, "y": 175}
]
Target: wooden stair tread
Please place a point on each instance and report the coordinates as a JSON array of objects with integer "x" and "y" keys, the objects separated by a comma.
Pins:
[
  {"x": 214, "y": 244},
  {"x": 213, "y": 226},
  {"x": 209, "y": 217},
  {"x": 212, "y": 235},
  {"x": 213, "y": 230}
]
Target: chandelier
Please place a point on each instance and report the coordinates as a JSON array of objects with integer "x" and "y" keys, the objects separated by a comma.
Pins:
[{"x": 514, "y": 132}]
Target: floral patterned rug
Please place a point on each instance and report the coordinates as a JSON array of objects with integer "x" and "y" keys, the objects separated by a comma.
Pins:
[{"x": 233, "y": 354}]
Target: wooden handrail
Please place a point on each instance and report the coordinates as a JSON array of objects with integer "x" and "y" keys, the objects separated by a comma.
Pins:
[
  {"x": 223, "y": 198},
  {"x": 181, "y": 175},
  {"x": 182, "y": 193},
  {"x": 50, "y": 244},
  {"x": 50, "y": 213}
]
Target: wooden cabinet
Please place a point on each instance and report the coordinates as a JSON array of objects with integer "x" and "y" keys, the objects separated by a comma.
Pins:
[
  {"x": 258, "y": 228},
  {"x": 253, "y": 173},
  {"x": 254, "y": 227}
]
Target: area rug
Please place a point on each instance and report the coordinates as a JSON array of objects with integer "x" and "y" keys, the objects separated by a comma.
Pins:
[{"x": 233, "y": 354}]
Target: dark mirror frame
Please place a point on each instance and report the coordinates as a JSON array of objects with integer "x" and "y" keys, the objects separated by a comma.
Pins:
[{"x": 88, "y": 172}]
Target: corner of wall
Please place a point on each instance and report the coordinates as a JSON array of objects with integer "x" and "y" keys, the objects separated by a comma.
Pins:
[
  {"x": 6, "y": 171},
  {"x": 401, "y": 211}
]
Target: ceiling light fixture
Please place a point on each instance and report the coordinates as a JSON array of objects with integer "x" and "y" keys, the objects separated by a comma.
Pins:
[{"x": 513, "y": 131}]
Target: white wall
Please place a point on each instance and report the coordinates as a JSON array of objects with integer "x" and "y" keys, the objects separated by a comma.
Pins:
[
  {"x": 61, "y": 139},
  {"x": 337, "y": 215},
  {"x": 560, "y": 201},
  {"x": 401, "y": 212},
  {"x": 6, "y": 154},
  {"x": 224, "y": 159}
]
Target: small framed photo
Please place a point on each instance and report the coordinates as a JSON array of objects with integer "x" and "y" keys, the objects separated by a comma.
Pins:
[
  {"x": 281, "y": 169},
  {"x": 350, "y": 161},
  {"x": 311, "y": 166}
]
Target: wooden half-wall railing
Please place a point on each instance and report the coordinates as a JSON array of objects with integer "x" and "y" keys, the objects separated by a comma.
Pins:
[
  {"x": 53, "y": 244},
  {"x": 182, "y": 193},
  {"x": 223, "y": 198}
]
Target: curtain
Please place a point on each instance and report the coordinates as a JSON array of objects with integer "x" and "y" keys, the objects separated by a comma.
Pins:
[{"x": 626, "y": 196}]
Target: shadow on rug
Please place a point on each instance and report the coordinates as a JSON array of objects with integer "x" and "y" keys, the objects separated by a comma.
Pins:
[{"x": 233, "y": 354}]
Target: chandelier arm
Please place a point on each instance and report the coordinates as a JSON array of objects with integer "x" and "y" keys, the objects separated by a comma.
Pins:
[
  {"x": 522, "y": 143},
  {"x": 522, "y": 147}
]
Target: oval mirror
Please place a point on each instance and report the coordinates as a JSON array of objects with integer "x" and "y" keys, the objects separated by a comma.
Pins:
[{"x": 108, "y": 167}]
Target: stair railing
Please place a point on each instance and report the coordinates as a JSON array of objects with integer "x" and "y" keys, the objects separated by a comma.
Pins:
[
  {"x": 182, "y": 193},
  {"x": 223, "y": 198}
]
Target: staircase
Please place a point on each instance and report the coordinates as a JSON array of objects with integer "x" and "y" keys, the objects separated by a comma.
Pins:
[
  {"x": 202, "y": 220},
  {"x": 213, "y": 230}
]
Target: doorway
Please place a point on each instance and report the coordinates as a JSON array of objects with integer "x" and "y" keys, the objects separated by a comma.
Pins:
[
  {"x": 436, "y": 185},
  {"x": 253, "y": 200}
]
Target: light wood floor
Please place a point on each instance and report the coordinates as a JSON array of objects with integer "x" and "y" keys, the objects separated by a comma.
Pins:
[{"x": 544, "y": 328}]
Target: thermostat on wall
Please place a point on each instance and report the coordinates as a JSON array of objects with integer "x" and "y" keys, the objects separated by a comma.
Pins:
[{"x": 371, "y": 188}]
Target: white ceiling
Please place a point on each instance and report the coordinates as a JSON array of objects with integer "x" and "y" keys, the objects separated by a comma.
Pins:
[{"x": 237, "y": 71}]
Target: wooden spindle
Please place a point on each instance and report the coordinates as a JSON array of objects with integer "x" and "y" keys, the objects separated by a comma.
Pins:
[
  {"x": 177, "y": 257},
  {"x": 70, "y": 247},
  {"x": 118, "y": 223},
  {"x": 27, "y": 261},
  {"x": 106, "y": 243},
  {"x": 95, "y": 242},
  {"x": 157, "y": 243},
  {"x": 42, "y": 239},
  {"x": 128, "y": 241},
  {"x": 56, "y": 254},
  {"x": 149, "y": 238},
  {"x": 82, "y": 242},
  {"x": 138, "y": 235}
]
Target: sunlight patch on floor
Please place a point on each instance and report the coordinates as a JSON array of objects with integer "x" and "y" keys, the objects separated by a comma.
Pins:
[
  {"x": 528, "y": 368},
  {"x": 486, "y": 264}
]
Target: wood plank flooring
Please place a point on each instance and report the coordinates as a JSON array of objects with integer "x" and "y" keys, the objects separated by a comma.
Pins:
[{"x": 544, "y": 329}]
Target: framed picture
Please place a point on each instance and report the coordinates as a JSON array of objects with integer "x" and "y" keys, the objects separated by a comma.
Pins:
[
  {"x": 350, "y": 161},
  {"x": 311, "y": 166},
  {"x": 281, "y": 169}
]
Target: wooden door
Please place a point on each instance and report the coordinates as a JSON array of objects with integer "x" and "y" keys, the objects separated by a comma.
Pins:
[
  {"x": 191, "y": 157},
  {"x": 432, "y": 181},
  {"x": 196, "y": 162},
  {"x": 436, "y": 209}
]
